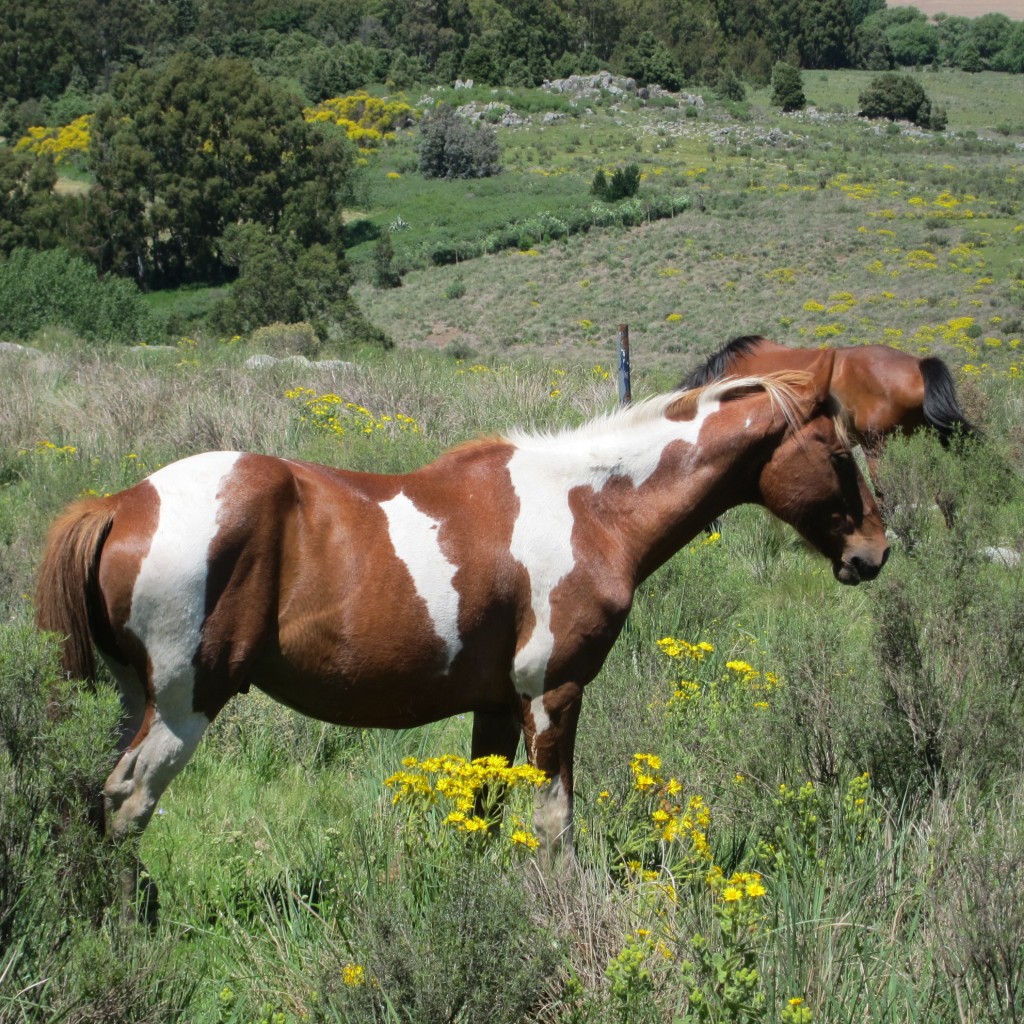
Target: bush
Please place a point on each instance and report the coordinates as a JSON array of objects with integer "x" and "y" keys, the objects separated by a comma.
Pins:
[
  {"x": 55, "y": 289},
  {"x": 787, "y": 87},
  {"x": 729, "y": 87},
  {"x": 452, "y": 147},
  {"x": 286, "y": 340},
  {"x": 58, "y": 876},
  {"x": 624, "y": 182},
  {"x": 900, "y": 97}
]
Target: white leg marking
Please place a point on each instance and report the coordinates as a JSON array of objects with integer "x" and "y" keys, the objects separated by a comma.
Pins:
[
  {"x": 168, "y": 609},
  {"x": 552, "y": 815},
  {"x": 541, "y": 720},
  {"x": 143, "y": 773},
  {"x": 414, "y": 536}
]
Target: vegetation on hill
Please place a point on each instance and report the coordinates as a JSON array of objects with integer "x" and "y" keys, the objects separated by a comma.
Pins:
[{"x": 206, "y": 142}]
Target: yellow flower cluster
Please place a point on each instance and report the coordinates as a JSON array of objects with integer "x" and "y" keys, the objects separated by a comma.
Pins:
[
  {"x": 681, "y": 649},
  {"x": 453, "y": 782},
  {"x": 675, "y": 817},
  {"x": 331, "y": 414},
  {"x": 59, "y": 143},
  {"x": 740, "y": 676},
  {"x": 352, "y": 975},
  {"x": 740, "y": 885},
  {"x": 368, "y": 120},
  {"x": 49, "y": 450}
]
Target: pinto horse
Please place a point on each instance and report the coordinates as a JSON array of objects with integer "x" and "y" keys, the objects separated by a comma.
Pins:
[
  {"x": 493, "y": 580},
  {"x": 882, "y": 391}
]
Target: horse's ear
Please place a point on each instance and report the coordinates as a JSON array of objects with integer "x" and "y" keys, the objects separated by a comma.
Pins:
[{"x": 821, "y": 375}]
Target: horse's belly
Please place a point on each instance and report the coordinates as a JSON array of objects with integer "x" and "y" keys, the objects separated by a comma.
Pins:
[{"x": 372, "y": 700}]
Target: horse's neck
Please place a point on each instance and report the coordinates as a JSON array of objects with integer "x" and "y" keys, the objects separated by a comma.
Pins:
[{"x": 654, "y": 489}]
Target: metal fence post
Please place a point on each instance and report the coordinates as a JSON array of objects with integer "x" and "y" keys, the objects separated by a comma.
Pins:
[{"x": 625, "y": 386}]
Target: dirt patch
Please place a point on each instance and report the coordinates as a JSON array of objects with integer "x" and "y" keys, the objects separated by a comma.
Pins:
[
  {"x": 441, "y": 336},
  {"x": 70, "y": 187}
]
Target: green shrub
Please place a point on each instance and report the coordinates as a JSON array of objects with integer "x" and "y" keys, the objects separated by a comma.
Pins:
[
  {"x": 64, "y": 951},
  {"x": 286, "y": 339},
  {"x": 52, "y": 288},
  {"x": 900, "y": 97},
  {"x": 452, "y": 147},
  {"x": 385, "y": 274},
  {"x": 624, "y": 183},
  {"x": 467, "y": 950},
  {"x": 787, "y": 87}
]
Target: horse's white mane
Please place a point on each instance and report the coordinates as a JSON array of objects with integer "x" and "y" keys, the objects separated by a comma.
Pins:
[{"x": 782, "y": 387}]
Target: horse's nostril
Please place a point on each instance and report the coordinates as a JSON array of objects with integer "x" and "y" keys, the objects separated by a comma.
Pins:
[{"x": 868, "y": 569}]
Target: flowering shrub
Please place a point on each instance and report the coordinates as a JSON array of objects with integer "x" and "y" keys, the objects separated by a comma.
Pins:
[
  {"x": 60, "y": 143},
  {"x": 368, "y": 120},
  {"x": 330, "y": 414},
  {"x": 739, "y": 686},
  {"x": 447, "y": 795}
]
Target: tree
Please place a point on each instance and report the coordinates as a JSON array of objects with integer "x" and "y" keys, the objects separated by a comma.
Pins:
[
  {"x": 282, "y": 281},
  {"x": 900, "y": 97},
  {"x": 28, "y": 207},
  {"x": 452, "y": 147},
  {"x": 180, "y": 155},
  {"x": 989, "y": 33},
  {"x": 871, "y": 47},
  {"x": 1011, "y": 56},
  {"x": 385, "y": 275},
  {"x": 651, "y": 62},
  {"x": 824, "y": 33},
  {"x": 787, "y": 87},
  {"x": 914, "y": 43}
]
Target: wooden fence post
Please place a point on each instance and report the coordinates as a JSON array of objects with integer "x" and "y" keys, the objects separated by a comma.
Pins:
[{"x": 625, "y": 386}]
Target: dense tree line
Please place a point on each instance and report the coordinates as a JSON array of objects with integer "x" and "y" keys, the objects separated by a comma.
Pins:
[{"x": 48, "y": 49}]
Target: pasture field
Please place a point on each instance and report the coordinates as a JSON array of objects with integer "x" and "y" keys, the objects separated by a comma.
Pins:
[
  {"x": 815, "y": 226},
  {"x": 796, "y": 802}
]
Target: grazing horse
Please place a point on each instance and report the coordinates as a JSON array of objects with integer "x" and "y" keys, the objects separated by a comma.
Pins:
[
  {"x": 881, "y": 390},
  {"x": 493, "y": 580}
]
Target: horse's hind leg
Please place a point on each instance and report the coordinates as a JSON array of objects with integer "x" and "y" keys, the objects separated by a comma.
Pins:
[{"x": 166, "y": 734}]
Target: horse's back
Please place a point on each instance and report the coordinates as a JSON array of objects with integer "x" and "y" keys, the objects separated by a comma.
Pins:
[{"x": 881, "y": 387}]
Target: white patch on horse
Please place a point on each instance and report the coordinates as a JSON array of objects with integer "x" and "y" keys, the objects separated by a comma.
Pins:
[
  {"x": 169, "y": 600},
  {"x": 414, "y": 536},
  {"x": 544, "y": 469}
]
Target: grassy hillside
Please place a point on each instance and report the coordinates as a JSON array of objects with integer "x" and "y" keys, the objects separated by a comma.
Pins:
[{"x": 809, "y": 228}]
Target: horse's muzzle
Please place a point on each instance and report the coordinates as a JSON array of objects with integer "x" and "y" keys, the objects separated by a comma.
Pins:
[{"x": 858, "y": 569}]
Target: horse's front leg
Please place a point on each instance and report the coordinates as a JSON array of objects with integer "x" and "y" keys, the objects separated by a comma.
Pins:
[{"x": 549, "y": 729}]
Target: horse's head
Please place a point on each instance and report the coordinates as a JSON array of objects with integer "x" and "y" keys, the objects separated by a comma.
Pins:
[{"x": 811, "y": 480}]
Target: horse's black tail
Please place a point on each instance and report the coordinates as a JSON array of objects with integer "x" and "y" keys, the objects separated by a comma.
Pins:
[{"x": 942, "y": 411}]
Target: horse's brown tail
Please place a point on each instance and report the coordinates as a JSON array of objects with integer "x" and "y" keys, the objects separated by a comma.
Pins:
[
  {"x": 67, "y": 594},
  {"x": 941, "y": 409}
]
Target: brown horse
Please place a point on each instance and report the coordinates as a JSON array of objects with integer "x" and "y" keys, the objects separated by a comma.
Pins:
[
  {"x": 882, "y": 390},
  {"x": 493, "y": 581}
]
